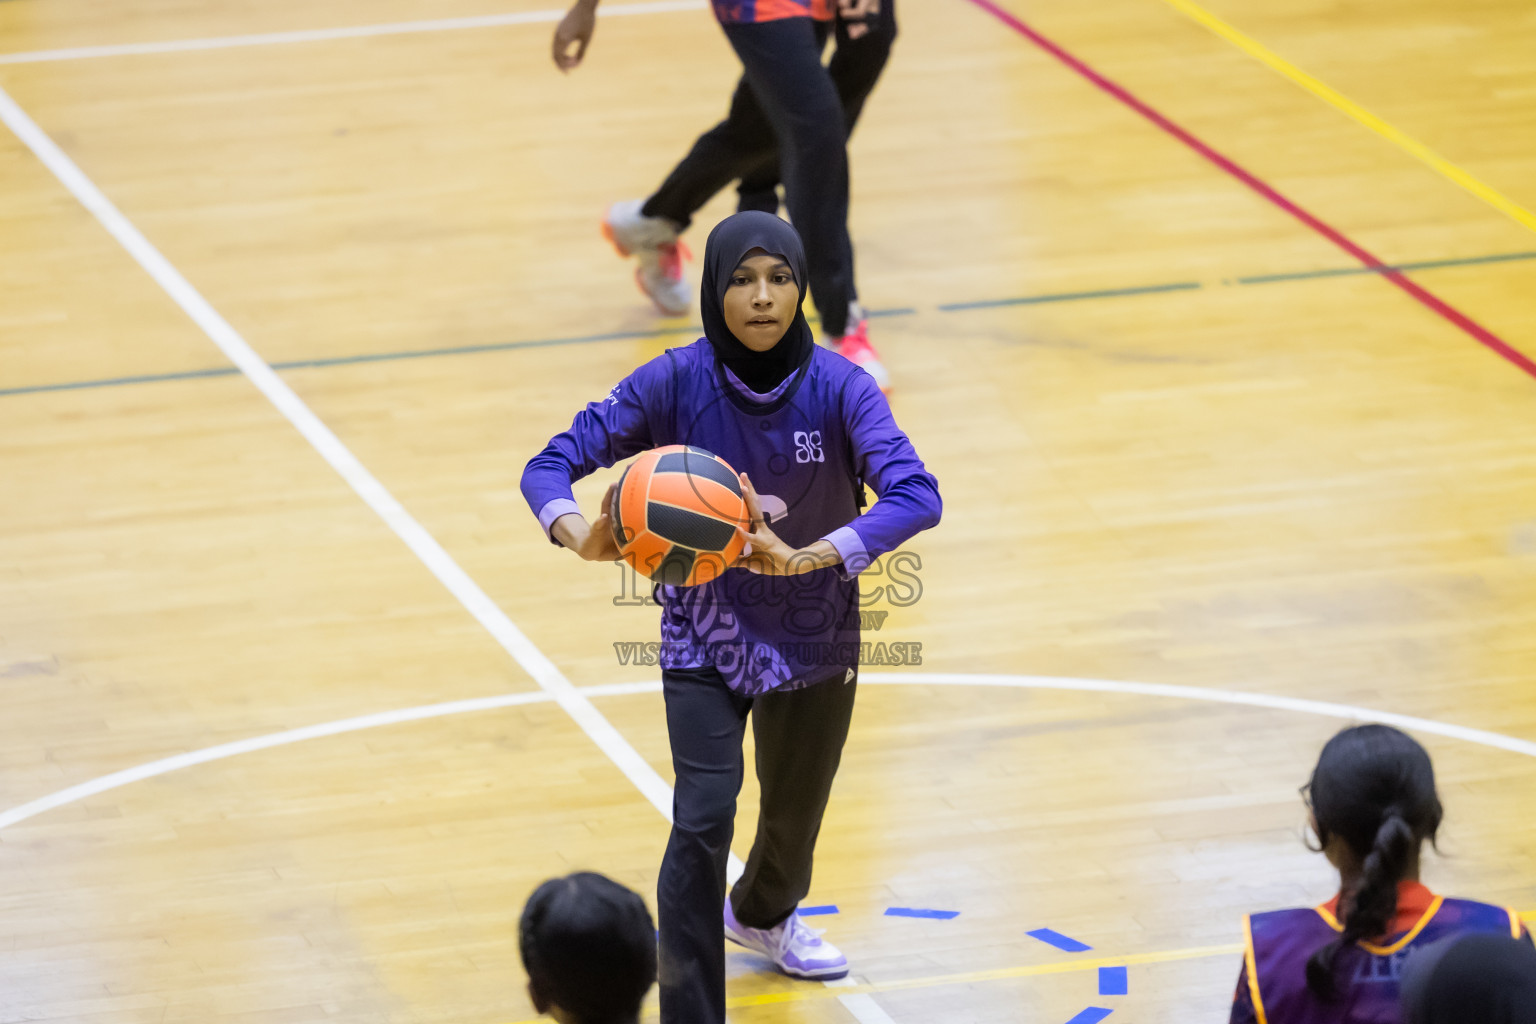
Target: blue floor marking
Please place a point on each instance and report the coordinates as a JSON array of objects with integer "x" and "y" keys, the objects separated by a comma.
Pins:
[
  {"x": 814, "y": 911},
  {"x": 937, "y": 915},
  {"x": 1060, "y": 941},
  {"x": 1092, "y": 1015},
  {"x": 1113, "y": 981}
]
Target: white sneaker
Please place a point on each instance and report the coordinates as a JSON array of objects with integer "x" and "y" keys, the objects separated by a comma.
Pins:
[
  {"x": 653, "y": 242},
  {"x": 795, "y": 949}
]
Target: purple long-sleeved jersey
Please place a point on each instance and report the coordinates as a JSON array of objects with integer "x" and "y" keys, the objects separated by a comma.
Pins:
[{"x": 808, "y": 447}]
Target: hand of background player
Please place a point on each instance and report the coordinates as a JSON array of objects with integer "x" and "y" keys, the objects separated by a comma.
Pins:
[
  {"x": 766, "y": 554},
  {"x": 594, "y": 542},
  {"x": 575, "y": 29}
]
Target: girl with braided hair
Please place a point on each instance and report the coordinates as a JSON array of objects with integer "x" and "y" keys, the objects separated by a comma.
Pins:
[{"x": 1373, "y": 804}]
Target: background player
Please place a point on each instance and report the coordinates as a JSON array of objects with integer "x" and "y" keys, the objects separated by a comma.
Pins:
[
  {"x": 1373, "y": 803},
  {"x": 790, "y": 116}
]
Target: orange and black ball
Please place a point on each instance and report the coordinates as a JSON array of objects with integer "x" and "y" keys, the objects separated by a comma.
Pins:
[{"x": 676, "y": 516}]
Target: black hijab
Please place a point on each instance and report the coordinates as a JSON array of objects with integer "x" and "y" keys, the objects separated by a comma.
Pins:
[
  {"x": 1478, "y": 978},
  {"x": 731, "y": 240}
]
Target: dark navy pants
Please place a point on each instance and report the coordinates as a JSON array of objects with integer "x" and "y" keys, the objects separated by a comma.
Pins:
[
  {"x": 799, "y": 735},
  {"x": 790, "y": 117}
]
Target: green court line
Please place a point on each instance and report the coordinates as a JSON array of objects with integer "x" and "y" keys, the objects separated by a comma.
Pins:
[
  {"x": 696, "y": 330},
  {"x": 382, "y": 357},
  {"x": 1468, "y": 261},
  {"x": 464, "y": 350},
  {"x": 107, "y": 382},
  {"x": 1103, "y": 293}
]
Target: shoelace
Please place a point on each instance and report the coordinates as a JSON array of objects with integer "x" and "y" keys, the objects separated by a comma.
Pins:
[
  {"x": 799, "y": 930},
  {"x": 671, "y": 259}
]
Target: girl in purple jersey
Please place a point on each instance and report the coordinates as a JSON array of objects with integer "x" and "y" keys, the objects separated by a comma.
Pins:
[
  {"x": 776, "y": 637},
  {"x": 1373, "y": 803}
]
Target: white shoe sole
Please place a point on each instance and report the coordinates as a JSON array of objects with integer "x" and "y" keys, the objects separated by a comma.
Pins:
[{"x": 813, "y": 974}]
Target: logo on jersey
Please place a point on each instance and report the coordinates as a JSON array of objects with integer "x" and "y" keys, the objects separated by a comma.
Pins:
[
  {"x": 775, "y": 509},
  {"x": 808, "y": 447}
]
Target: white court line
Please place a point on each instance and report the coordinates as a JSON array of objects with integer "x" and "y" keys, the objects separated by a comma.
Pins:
[
  {"x": 317, "y": 35},
  {"x": 862, "y": 1006},
  {"x": 544, "y": 672},
  {"x": 330, "y": 448},
  {"x": 247, "y": 746},
  {"x": 1327, "y": 709},
  {"x": 377, "y": 497},
  {"x": 1349, "y": 712}
]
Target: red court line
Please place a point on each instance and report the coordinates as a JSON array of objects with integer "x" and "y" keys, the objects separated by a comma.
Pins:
[{"x": 1426, "y": 298}]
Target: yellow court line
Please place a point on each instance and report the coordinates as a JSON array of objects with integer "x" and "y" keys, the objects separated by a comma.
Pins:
[
  {"x": 1493, "y": 197},
  {"x": 806, "y": 993},
  {"x": 1000, "y": 974}
]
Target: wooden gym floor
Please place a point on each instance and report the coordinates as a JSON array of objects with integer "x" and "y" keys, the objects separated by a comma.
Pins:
[{"x": 1191, "y": 429}]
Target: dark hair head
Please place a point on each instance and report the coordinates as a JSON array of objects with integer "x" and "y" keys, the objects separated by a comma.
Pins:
[
  {"x": 589, "y": 947},
  {"x": 1373, "y": 788},
  {"x": 1474, "y": 978}
]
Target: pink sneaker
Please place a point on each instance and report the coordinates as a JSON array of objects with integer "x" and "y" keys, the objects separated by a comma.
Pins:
[{"x": 855, "y": 347}]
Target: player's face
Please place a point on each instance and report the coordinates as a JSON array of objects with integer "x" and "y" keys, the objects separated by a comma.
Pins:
[{"x": 760, "y": 301}]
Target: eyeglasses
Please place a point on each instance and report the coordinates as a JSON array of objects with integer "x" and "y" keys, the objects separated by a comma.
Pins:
[{"x": 1306, "y": 794}]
